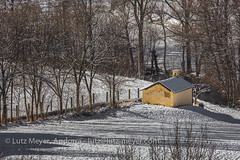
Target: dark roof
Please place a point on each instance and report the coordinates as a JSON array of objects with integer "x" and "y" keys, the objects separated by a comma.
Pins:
[{"x": 174, "y": 84}]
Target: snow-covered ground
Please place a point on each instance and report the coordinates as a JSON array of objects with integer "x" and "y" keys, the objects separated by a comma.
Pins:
[{"x": 100, "y": 135}]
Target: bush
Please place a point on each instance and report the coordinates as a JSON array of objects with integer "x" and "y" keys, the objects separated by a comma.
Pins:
[{"x": 180, "y": 144}]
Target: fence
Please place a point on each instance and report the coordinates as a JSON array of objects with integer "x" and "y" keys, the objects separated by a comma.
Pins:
[{"x": 71, "y": 105}]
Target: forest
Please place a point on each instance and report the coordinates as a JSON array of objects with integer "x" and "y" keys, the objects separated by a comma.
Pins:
[{"x": 51, "y": 43}]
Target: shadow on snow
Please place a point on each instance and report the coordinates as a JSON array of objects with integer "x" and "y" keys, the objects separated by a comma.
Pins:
[{"x": 213, "y": 115}]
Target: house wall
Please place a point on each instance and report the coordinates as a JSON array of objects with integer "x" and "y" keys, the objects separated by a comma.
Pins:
[
  {"x": 158, "y": 94},
  {"x": 183, "y": 98}
]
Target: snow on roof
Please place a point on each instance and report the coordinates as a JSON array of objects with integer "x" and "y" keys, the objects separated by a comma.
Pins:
[{"x": 174, "y": 84}]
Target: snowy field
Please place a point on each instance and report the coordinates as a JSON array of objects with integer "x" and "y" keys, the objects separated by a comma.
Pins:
[{"x": 99, "y": 136}]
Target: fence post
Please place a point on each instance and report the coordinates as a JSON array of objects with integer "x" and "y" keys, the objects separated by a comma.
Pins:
[
  {"x": 129, "y": 94},
  {"x": 66, "y": 107},
  {"x": 46, "y": 114},
  {"x": 118, "y": 95},
  {"x": 51, "y": 105},
  {"x": 29, "y": 111},
  {"x": 106, "y": 96},
  {"x": 93, "y": 98},
  {"x": 138, "y": 92},
  {"x": 82, "y": 100},
  {"x": 71, "y": 103},
  {"x": 41, "y": 109},
  {"x": 17, "y": 112}
]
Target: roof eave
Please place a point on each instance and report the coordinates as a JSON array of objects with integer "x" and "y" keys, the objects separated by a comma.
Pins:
[{"x": 182, "y": 90}]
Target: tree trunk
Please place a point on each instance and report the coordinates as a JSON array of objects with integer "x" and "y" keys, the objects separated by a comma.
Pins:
[
  {"x": 33, "y": 98},
  {"x": 155, "y": 61},
  {"x": 165, "y": 45},
  {"x": 4, "y": 108},
  {"x": 46, "y": 113},
  {"x": 165, "y": 57},
  {"x": 3, "y": 93},
  {"x": 25, "y": 98},
  {"x": 11, "y": 102},
  {"x": 89, "y": 88},
  {"x": 187, "y": 6},
  {"x": 39, "y": 94},
  {"x": 113, "y": 92},
  {"x": 140, "y": 13},
  {"x": 152, "y": 60},
  {"x": 78, "y": 97},
  {"x": 114, "y": 97},
  {"x": 189, "y": 58},
  {"x": 90, "y": 99},
  {"x": 41, "y": 109},
  {"x": 66, "y": 106},
  {"x": 141, "y": 66},
  {"x": 239, "y": 64},
  {"x": 130, "y": 50},
  {"x": 0, "y": 109},
  {"x": 183, "y": 59},
  {"x": 60, "y": 105},
  {"x": 198, "y": 66},
  {"x": 110, "y": 94}
]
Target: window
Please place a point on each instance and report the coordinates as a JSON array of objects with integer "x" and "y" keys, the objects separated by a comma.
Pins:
[{"x": 167, "y": 94}]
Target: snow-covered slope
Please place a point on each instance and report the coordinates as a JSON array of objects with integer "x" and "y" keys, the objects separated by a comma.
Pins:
[
  {"x": 99, "y": 89},
  {"x": 100, "y": 135}
]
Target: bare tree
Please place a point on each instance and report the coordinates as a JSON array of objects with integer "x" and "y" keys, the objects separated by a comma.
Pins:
[
  {"x": 58, "y": 50},
  {"x": 122, "y": 13},
  {"x": 8, "y": 68},
  {"x": 79, "y": 47},
  {"x": 115, "y": 60},
  {"x": 219, "y": 43},
  {"x": 182, "y": 12},
  {"x": 163, "y": 17},
  {"x": 7, "y": 60},
  {"x": 140, "y": 9},
  {"x": 153, "y": 38}
]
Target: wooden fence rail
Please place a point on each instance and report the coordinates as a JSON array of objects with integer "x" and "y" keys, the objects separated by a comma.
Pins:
[{"x": 72, "y": 107}]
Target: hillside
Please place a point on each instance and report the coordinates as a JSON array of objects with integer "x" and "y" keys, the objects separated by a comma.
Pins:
[{"x": 100, "y": 135}]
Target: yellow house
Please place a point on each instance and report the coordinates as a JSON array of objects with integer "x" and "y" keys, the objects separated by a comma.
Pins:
[{"x": 171, "y": 92}]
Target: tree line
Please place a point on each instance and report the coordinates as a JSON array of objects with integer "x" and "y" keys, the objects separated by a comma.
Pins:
[{"x": 57, "y": 42}]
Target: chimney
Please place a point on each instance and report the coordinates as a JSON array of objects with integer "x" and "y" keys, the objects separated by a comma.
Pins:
[{"x": 175, "y": 73}]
